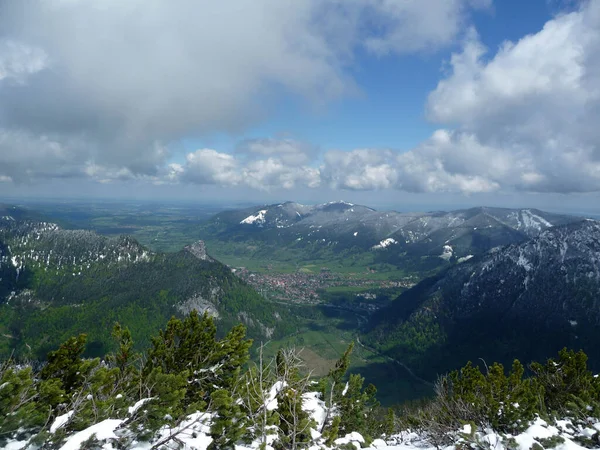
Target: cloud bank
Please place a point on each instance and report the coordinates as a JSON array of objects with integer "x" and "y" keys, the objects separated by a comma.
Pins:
[{"x": 101, "y": 89}]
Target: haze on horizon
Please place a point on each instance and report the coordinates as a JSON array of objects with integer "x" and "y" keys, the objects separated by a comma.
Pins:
[{"x": 414, "y": 105}]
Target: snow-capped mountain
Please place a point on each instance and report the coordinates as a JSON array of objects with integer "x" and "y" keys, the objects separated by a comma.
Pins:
[
  {"x": 525, "y": 300},
  {"x": 342, "y": 227}
]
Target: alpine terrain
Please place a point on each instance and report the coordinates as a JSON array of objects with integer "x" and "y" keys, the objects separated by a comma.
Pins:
[
  {"x": 525, "y": 300},
  {"x": 353, "y": 234},
  {"x": 55, "y": 283}
]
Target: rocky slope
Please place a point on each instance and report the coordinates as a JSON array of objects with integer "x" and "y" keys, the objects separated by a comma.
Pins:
[
  {"x": 56, "y": 282},
  {"x": 402, "y": 239},
  {"x": 525, "y": 300}
]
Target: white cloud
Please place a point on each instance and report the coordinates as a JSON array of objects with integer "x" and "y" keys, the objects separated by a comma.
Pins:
[
  {"x": 207, "y": 166},
  {"x": 529, "y": 114},
  {"x": 289, "y": 151},
  {"x": 105, "y": 101},
  {"x": 361, "y": 169},
  {"x": 116, "y": 82},
  {"x": 415, "y": 25},
  {"x": 18, "y": 60},
  {"x": 273, "y": 173}
]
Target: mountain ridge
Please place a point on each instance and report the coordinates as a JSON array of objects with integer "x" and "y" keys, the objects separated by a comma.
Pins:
[
  {"x": 57, "y": 282},
  {"x": 340, "y": 229},
  {"x": 525, "y": 300}
]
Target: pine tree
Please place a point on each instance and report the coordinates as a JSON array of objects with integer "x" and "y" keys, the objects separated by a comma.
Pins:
[
  {"x": 65, "y": 364},
  {"x": 20, "y": 410},
  {"x": 357, "y": 406},
  {"x": 191, "y": 345},
  {"x": 228, "y": 425},
  {"x": 331, "y": 389},
  {"x": 125, "y": 355}
]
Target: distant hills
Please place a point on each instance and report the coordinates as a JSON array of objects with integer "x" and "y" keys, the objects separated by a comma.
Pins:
[
  {"x": 523, "y": 301},
  {"x": 55, "y": 283},
  {"x": 414, "y": 242}
]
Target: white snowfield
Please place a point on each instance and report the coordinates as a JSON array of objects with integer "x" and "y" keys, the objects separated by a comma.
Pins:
[{"x": 259, "y": 218}]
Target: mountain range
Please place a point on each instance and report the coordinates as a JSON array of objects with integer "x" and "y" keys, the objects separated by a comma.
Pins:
[
  {"x": 55, "y": 283},
  {"x": 525, "y": 301},
  {"x": 415, "y": 242},
  {"x": 496, "y": 283}
]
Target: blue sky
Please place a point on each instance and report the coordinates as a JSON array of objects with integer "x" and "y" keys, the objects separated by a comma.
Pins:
[
  {"x": 424, "y": 104},
  {"x": 388, "y": 112}
]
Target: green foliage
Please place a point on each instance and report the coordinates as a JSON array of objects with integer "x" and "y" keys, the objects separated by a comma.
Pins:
[
  {"x": 191, "y": 346},
  {"x": 165, "y": 406},
  {"x": 82, "y": 282},
  {"x": 567, "y": 381},
  {"x": 356, "y": 408},
  {"x": 332, "y": 432},
  {"x": 507, "y": 403},
  {"x": 125, "y": 354},
  {"x": 294, "y": 422},
  {"x": 229, "y": 425},
  {"x": 20, "y": 408},
  {"x": 560, "y": 388},
  {"x": 65, "y": 364}
]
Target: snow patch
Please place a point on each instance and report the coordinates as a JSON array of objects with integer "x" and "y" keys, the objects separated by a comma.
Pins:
[
  {"x": 133, "y": 409},
  {"x": 315, "y": 407},
  {"x": 258, "y": 218},
  {"x": 60, "y": 421},
  {"x": 271, "y": 402},
  {"x": 384, "y": 244},
  {"x": 102, "y": 430},
  {"x": 447, "y": 252}
]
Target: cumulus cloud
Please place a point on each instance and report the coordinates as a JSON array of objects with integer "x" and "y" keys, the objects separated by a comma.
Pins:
[
  {"x": 527, "y": 117},
  {"x": 289, "y": 151},
  {"x": 208, "y": 166},
  {"x": 106, "y": 100},
  {"x": 271, "y": 173},
  {"x": 419, "y": 24},
  {"x": 114, "y": 83},
  {"x": 361, "y": 169},
  {"x": 522, "y": 119}
]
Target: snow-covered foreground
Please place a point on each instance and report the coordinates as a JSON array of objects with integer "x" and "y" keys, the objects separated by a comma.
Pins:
[{"x": 193, "y": 434}]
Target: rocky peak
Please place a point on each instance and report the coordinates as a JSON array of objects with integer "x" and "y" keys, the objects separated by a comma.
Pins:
[{"x": 198, "y": 249}]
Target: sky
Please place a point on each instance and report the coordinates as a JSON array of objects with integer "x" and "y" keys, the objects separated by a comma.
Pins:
[{"x": 415, "y": 104}]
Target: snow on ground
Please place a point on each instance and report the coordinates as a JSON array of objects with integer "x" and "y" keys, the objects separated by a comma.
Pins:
[
  {"x": 315, "y": 407},
  {"x": 271, "y": 401},
  {"x": 385, "y": 243},
  {"x": 534, "y": 221},
  {"x": 60, "y": 421},
  {"x": 447, "y": 252},
  {"x": 193, "y": 433},
  {"x": 138, "y": 405},
  {"x": 102, "y": 430},
  {"x": 258, "y": 218}
]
